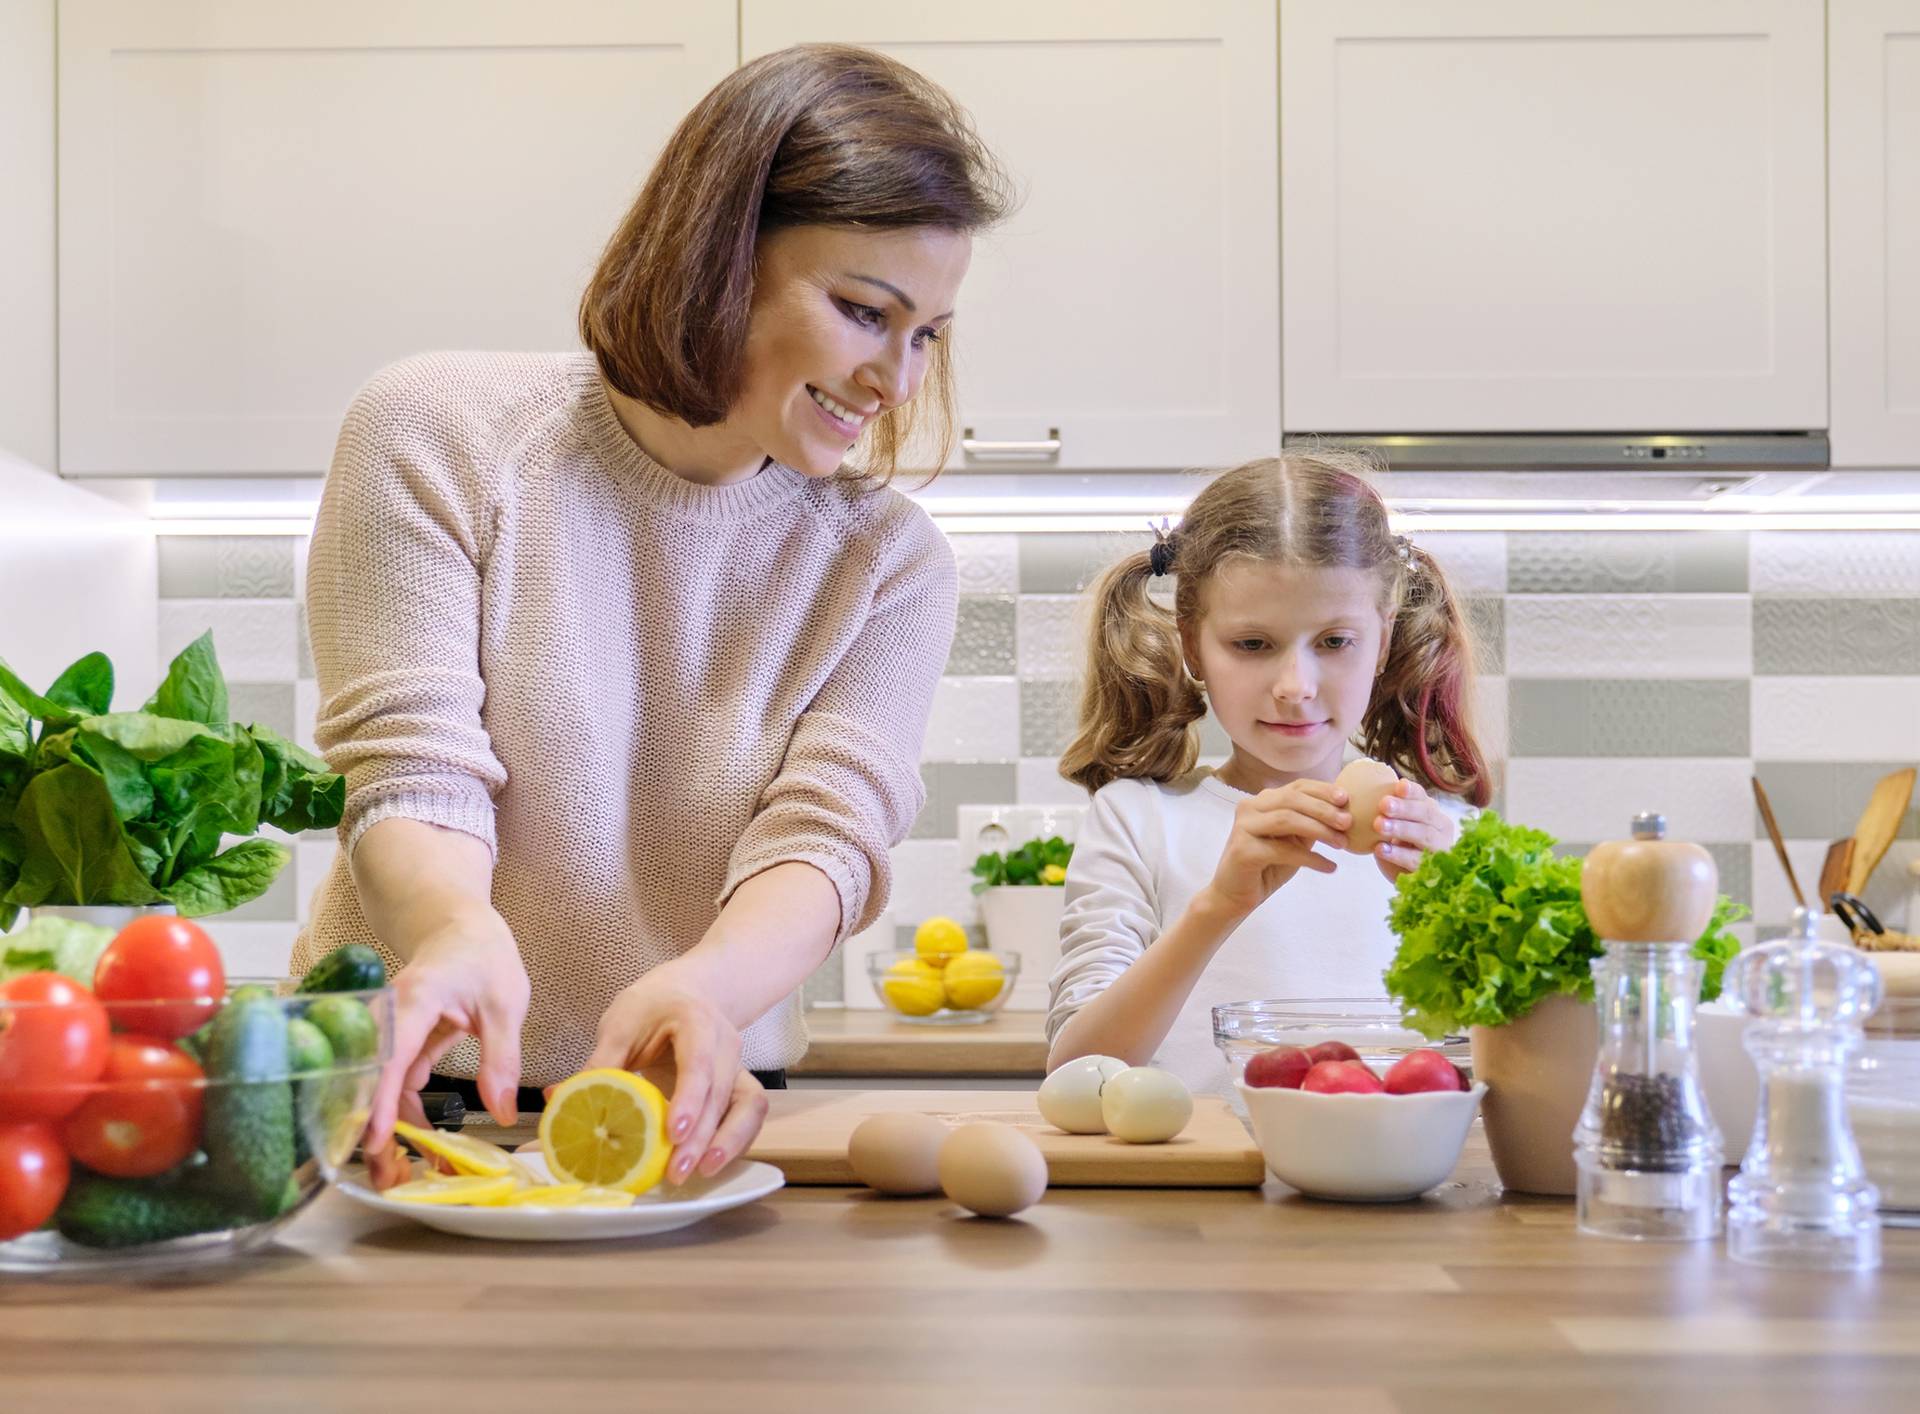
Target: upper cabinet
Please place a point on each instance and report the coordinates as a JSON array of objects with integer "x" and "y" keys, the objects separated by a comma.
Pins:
[
  {"x": 261, "y": 204},
  {"x": 1874, "y": 221},
  {"x": 1128, "y": 315},
  {"x": 1600, "y": 215}
]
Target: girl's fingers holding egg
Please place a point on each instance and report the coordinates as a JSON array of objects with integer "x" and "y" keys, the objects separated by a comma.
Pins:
[{"x": 1274, "y": 824}]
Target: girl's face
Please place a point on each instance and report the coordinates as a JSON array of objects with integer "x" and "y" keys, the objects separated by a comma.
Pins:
[
  {"x": 1289, "y": 657},
  {"x": 844, "y": 323}
]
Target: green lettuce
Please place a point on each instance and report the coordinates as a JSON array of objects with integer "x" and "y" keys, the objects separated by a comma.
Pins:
[
  {"x": 1495, "y": 924},
  {"x": 54, "y": 945}
]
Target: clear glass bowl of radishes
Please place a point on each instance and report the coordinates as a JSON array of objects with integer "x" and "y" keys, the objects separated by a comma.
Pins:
[
  {"x": 1368, "y": 1025},
  {"x": 1333, "y": 1126}
]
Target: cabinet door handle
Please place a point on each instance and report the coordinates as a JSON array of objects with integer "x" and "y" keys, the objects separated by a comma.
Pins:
[{"x": 977, "y": 450}]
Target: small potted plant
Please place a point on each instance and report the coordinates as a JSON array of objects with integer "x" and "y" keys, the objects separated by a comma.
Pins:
[
  {"x": 1495, "y": 940},
  {"x": 1022, "y": 895},
  {"x": 104, "y": 814}
]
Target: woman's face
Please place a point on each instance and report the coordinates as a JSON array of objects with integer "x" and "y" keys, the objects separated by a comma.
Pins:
[{"x": 844, "y": 323}]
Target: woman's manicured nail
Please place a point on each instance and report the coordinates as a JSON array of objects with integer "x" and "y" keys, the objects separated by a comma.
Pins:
[{"x": 680, "y": 1128}]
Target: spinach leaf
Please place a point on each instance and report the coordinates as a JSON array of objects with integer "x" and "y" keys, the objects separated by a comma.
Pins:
[
  {"x": 194, "y": 690},
  {"x": 228, "y": 880},
  {"x": 74, "y": 850},
  {"x": 32, "y": 703},
  {"x": 297, "y": 792},
  {"x": 86, "y": 686}
]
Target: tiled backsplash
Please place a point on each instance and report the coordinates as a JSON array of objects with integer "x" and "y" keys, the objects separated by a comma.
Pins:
[{"x": 1619, "y": 671}]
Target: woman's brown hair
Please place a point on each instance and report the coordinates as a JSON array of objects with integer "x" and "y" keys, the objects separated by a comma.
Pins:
[
  {"x": 1140, "y": 710},
  {"x": 813, "y": 135}
]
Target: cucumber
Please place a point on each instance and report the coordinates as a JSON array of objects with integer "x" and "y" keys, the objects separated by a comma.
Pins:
[
  {"x": 122, "y": 1212},
  {"x": 249, "y": 1105},
  {"x": 352, "y": 968}
]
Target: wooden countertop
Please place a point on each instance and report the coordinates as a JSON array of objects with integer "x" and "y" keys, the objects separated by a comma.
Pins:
[
  {"x": 839, "y": 1300},
  {"x": 855, "y": 1042}
]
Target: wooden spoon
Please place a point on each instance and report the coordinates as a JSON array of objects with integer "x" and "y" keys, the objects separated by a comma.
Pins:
[
  {"x": 1779, "y": 845},
  {"x": 1878, "y": 825}
]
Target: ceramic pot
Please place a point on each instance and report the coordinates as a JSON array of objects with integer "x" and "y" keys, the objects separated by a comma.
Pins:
[
  {"x": 1537, "y": 1070},
  {"x": 115, "y": 917},
  {"x": 1025, "y": 919}
]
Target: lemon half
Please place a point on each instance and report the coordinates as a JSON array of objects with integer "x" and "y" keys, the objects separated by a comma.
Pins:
[{"x": 606, "y": 1129}]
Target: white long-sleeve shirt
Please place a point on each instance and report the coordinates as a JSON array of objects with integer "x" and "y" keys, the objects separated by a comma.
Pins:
[{"x": 1145, "y": 849}]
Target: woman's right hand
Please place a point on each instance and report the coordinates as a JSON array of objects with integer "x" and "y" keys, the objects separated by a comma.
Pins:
[
  {"x": 1273, "y": 837},
  {"x": 465, "y": 978}
]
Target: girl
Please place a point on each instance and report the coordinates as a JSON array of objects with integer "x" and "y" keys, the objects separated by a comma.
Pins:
[{"x": 1310, "y": 625}]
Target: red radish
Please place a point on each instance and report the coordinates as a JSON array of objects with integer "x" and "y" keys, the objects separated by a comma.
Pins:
[
  {"x": 1282, "y": 1068},
  {"x": 1333, "y": 1051},
  {"x": 1341, "y": 1077},
  {"x": 1423, "y": 1070}
]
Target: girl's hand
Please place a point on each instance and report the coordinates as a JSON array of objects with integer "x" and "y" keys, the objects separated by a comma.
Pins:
[
  {"x": 1273, "y": 838},
  {"x": 678, "y": 1038},
  {"x": 1411, "y": 824}
]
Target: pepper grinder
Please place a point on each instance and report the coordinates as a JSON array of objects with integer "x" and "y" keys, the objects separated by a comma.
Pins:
[
  {"x": 1646, "y": 1146},
  {"x": 1801, "y": 1198}
]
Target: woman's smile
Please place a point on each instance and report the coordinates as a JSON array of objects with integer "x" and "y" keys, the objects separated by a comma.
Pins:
[{"x": 842, "y": 419}]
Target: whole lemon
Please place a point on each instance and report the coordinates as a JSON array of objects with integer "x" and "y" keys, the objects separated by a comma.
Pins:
[
  {"x": 973, "y": 979},
  {"x": 912, "y": 988},
  {"x": 1054, "y": 874},
  {"x": 938, "y": 939}
]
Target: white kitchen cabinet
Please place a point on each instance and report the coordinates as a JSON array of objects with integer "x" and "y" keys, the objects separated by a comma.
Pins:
[
  {"x": 1873, "y": 57},
  {"x": 1129, "y": 311},
  {"x": 261, "y": 204},
  {"x": 1603, "y": 215}
]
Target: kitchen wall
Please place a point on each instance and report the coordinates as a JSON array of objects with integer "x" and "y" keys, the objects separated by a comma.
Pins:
[{"x": 1619, "y": 671}]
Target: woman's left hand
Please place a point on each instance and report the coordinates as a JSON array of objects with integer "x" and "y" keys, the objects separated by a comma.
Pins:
[
  {"x": 678, "y": 1038},
  {"x": 1411, "y": 824}
]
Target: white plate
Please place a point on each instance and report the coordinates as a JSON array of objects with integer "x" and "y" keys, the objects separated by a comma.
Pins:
[{"x": 663, "y": 1210}]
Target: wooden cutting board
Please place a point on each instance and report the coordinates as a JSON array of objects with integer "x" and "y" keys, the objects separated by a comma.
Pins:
[{"x": 806, "y": 1135}]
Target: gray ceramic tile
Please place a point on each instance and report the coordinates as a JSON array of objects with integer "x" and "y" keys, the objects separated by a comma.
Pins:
[
  {"x": 826, "y": 985},
  {"x": 1066, "y": 564},
  {"x": 1822, "y": 800},
  {"x": 225, "y": 566},
  {"x": 1836, "y": 636},
  {"x": 1627, "y": 562},
  {"x": 1733, "y": 861},
  {"x": 1049, "y": 716},
  {"x": 303, "y": 645},
  {"x": 1488, "y": 620},
  {"x": 952, "y": 784},
  {"x": 983, "y": 637},
  {"x": 268, "y": 703},
  {"x": 1619, "y": 717},
  {"x": 279, "y": 904}
]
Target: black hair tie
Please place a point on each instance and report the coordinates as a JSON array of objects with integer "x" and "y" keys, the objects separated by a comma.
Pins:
[{"x": 1160, "y": 557}]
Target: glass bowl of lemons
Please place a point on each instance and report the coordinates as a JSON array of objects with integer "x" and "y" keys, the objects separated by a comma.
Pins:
[{"x": 943, "y": 981}]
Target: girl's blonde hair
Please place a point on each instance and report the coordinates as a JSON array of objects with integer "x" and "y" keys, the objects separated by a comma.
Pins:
[{"x": 1140, "y": 710}]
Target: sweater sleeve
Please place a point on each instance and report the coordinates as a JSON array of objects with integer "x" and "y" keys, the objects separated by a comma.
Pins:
[
  {"x": 849, "y": 787},
  {"x": 393, "y": 603},
  {"x": 1111, "y": 913}
]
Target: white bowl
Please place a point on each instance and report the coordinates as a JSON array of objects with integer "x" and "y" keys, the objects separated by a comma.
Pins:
[{"x": 1361, "y": 1148}]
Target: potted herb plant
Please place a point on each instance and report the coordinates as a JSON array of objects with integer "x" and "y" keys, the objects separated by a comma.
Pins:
[
  {"x": 1022, "y": 895},
  {"x": 134, "y": 811},
  {"x": 1494, "y": 940}
]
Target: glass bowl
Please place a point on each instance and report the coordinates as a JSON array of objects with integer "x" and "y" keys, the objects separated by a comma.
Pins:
[
  {"x": 1883, "y": 1101},
  {"x": 933, "y": 998},
  {"x": 1372, "y": 1026},
  {"x": 264, "y": 1143}
]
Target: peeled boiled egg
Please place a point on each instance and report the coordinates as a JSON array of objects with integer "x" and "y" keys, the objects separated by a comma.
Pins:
[
  {"x": 1366, "y": 783},
  {"x": 992, "y": 1169},
  {"x": 1144, "y": 1105},
  {"x": 897, "y": 1153},
  {"x": 1070, "y": 1096}
]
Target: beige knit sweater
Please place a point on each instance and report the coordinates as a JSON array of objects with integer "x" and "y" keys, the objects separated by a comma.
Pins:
[{"x": 638, "y": 691}]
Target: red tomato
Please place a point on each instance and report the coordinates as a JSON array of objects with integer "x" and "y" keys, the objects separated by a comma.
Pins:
[
  {"x": 33, "y": 1176},
  {"x": 144, "y": 1115},
  {"x": 53, "y": 1045},
  {"x": 156, "y": 958}
]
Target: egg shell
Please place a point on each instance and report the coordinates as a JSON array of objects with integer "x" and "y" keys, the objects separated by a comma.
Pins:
[
  {"x": 1366, "y": 783},
  {"x": 1069, "y": 1098},
  {"x": 898, "y": 1153},
  {"x": 1145, "y": 1105},
  {"x": 992, "y": 1169}
]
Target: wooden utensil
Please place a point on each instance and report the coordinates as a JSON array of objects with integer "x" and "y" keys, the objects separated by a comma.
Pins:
[
  {"x": 1779, "y": 845},
  {"x": 1833, "y": 870},
  {"x": 1878, "y": 825}
]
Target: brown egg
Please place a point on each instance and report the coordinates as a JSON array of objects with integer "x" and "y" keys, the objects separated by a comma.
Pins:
[
  {"x": 1366, "y": 784},
  {"x": 898, "y": 1153},
  {"x": 992, "y": 1169}
]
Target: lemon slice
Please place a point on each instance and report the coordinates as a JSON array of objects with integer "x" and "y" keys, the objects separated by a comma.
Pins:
[
  {"x": 548, "y": 1195},
  {"x": 606, "y": 1128},
  {"x": 468, "y": 1155},
  {"x": 455, "y": 1191},
  {"x": 604, "y": 1198}
]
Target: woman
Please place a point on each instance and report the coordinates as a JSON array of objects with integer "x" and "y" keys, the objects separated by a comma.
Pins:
[{"x": 627, "y": 670}]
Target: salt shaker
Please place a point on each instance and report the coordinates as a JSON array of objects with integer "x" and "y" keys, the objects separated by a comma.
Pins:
[
  {"x": 1801, "y": 1198},
  {"x": 1646, "y": 1147}
]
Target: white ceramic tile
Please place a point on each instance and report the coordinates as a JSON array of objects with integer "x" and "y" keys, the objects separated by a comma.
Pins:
[
  {"x": 930, "y": 878},
  {"x": 253, "y": 638},
  {"x": 253, "y": 952},
  {"x": 1835, "y": 562},
  {"x": 974, "y": 719},
  {"x": 1490, "y": 716},
  {"x": 1772, "y": 899},
  {"x": 987, "y": 564},
  {"x": 1836, "y": 719},
  {"x": 306, "y": 708},
  {"x": 312, "y": 859},
  {"x": 1049, "y": 635},
  {"x": 1040, "y": 783},
  {"x": 1589, "y": 798},
  {"x": 1475, "y": 561},
  {"x": 1629, "y": 635}
]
